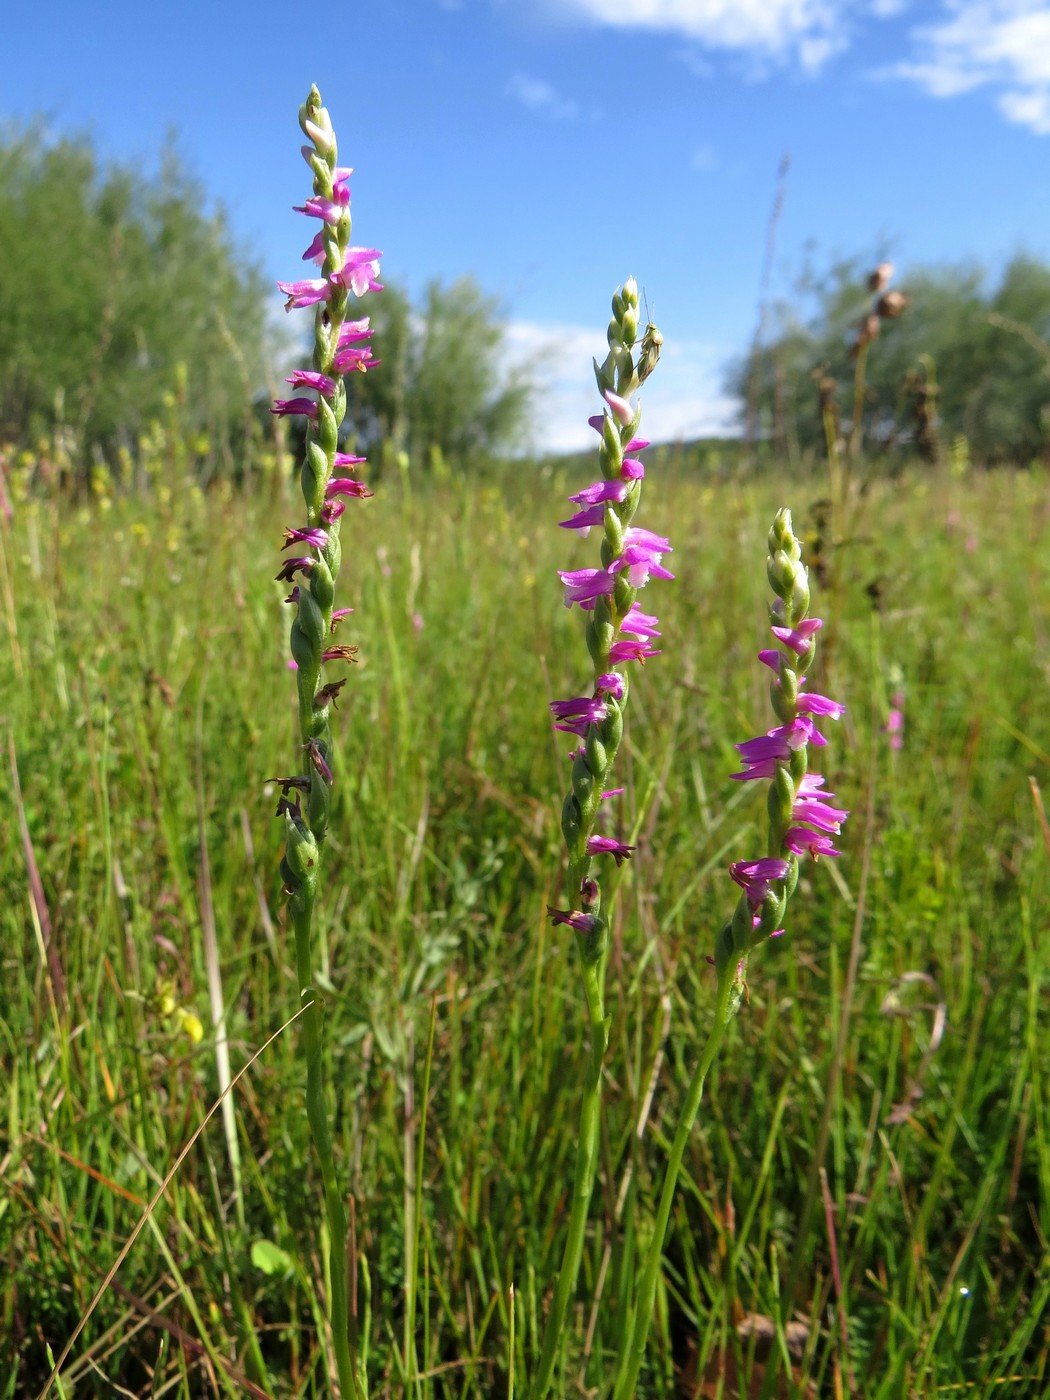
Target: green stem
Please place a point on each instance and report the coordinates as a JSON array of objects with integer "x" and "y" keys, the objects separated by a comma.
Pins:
[
  {"x": 583, "y": 1181},
  {"x": 317, "y": 1113},
  {"x": 859, "y": 389},
  {"x": 631, "y": 1360}
]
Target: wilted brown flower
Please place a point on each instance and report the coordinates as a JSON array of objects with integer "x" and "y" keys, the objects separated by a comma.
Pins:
[
  {"x": 879, "y": 280},
  {"x": 867, "y": 330},
  {"x": 891, "y": 304}
]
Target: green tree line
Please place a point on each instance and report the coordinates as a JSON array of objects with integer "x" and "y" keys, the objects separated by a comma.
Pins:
[
  {"x": 122, "y": 292},
  {"x": 126, "y": 303},
  {"x": 119, "y": 289},
  {"x": 969, "y": 354}
]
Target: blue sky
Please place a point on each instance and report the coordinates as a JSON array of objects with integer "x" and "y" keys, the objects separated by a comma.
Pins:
[{"x": 552, "y": 147}]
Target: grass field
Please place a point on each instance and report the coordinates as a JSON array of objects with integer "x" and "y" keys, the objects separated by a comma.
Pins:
[{"x": 869, "y": 1180}]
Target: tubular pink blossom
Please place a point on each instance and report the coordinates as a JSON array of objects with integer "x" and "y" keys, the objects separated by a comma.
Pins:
[
  {"x": 576, "y": 919},
  {"x": 755, "y": 877},
  {"x": 315, "y": 253},
  {"x": 311, "y": 379},
  {"x": 606, "y": 490},
  {"x": 359, "y": 271},
  {"x": 578, "y": 714},
  {"x": 779, "y": 744},
  {"x": 347, "y": 486},
  {"x": 354, "y": 358},
  {"x": 641, "y": 562},
  {"x": 584, "y": 519},
  {"x": 584, "y": 585},
  {"x": 816, "y": 813},
  {"x": 316, "y": 538},
  {"x": 810, "y": 703},
  {"x": 798, "y": 638},
  {"x": 640, "y": 624},
  {"x": 300, "y": 565},
  {"x": 605, "y": 845},
  {"x": 286, "y": 408},
  {"x": 307, "y": 293},
  {"x": 627, "y": 650},
  {"x": 800, "y": 839},
  {"x": 621, "y": 409},
  {"x": 328, "y": 210}
]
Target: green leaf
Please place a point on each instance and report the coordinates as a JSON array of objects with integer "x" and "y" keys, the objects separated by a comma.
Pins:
[{"x": 270, "y": 1258}]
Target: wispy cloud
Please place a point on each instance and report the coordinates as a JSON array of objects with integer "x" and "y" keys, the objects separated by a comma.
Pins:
[
  {"x": 1001, "y": 44},
  {"x": 683, "y": 399},
  {"x": 540, "y": 97},
  {"x": 809, "y": 31}
]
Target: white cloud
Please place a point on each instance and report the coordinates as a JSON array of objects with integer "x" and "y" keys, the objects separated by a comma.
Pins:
[
  {"x": 1003, "y": 44},
  {"x": 811, "y": 30},
  {"x": 539, "y": 96},
  {"x": 682, "y": 400}
]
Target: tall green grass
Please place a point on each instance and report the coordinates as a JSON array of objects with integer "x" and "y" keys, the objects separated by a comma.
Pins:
[{"x": 867, "y": 1191}]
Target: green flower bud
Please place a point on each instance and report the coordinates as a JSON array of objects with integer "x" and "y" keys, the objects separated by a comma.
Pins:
[{"x": 300, "y": 848}]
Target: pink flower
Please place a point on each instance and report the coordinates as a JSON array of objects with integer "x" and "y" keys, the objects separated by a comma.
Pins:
[
  {"x": 640, "y": 624},
  {"x": 605, "y": 845},
  {"x": 328, "y": 210},
  {"x": 306, "y": 293},
  {"x": 577, "y": 919},
  {"x": 584, "y": 519},
  {"x": 606, "y": 490},
  {"x": 755, "y": 877},
  {"x": 310, "y": 379},
  {"x": 301, "y": 565},
  {"x": 317, "y": 539},
  {"x": 810, "y": 703},
  {"x": 578, "y": 714},
  {"x": 359, "y": 271},
  {"x": 353, "y": 358},
  {"x": 761, "y": 755},
  {"x": 798, "y": 638},
  {"x": 287, "y": 408},
  {"x": 584, "y": 585},
  {"x": 800, "y": 839},
  {"x": 621, "y": 409},
  {"x": 627, "y": 650},
  {"x": 346, "y": 486},
  {"x": 641, "y": 556}
]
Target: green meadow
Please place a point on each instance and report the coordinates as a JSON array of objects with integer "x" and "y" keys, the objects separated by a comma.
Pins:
[{"x": 865, "y": 1205}]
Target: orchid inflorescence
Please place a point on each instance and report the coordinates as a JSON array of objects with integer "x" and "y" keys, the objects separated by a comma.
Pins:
[
  {"x": 801, "y": 820},
  {"x": 618, "y": 631},
  {"x": 801, "y": 817},
  {"x": 341, "y": 347}
]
